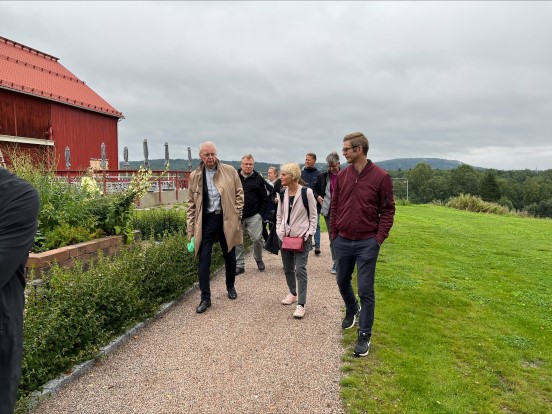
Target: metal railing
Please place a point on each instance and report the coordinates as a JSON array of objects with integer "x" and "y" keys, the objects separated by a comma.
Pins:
[{"x": 115, "y": 181}]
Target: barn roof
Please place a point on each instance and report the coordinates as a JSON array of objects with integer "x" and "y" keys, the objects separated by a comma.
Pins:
[{"x": 30, "y": 71}]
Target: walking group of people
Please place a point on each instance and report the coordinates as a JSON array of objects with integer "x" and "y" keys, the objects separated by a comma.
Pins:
[{"x": 356, "y": 202}]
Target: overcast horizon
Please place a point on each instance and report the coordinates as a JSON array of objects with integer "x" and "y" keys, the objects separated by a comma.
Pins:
[{"x": 465, "y": 81}]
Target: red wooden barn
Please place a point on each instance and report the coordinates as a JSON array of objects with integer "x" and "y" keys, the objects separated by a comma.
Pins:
[{"x": 44, "y": 108}]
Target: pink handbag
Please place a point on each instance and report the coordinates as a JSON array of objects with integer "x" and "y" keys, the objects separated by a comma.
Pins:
[{"x": 293, "y": 244}]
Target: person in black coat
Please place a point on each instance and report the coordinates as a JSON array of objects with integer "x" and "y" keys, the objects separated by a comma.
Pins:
[
  {"x": 19, "y": 204},
  {"x": 273, "y": 185}
]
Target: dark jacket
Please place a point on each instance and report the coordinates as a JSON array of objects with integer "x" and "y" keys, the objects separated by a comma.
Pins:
[
  {"x": 19, "y": 204},
  {"x": 362, "y": 204},
  {"x": 270, "y": 204},
  {"x": 254, "y": 191},
  {"x": 309, "y": 175}
]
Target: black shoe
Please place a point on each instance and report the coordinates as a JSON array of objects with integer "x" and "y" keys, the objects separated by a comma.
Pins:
[
  {"x": 239, "y": 270},
  {"x": 203, "y": 305},
  {"x": 317, "y": 251},
  {"x": 362, "y": 346},
  {"x": 260, "y": 265},
  {"x": 232, "y": 294},
  {"x": 350, "y": 319}
]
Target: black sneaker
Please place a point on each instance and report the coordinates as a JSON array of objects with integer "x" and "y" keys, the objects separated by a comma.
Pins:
[
  {"x": 317, "y": 251},
  {"x": 239, "y": 270},
  {"x": 260, "y": 265},
  {"x": 362, "y": 346},
  {"x": 350, "y": 319}
]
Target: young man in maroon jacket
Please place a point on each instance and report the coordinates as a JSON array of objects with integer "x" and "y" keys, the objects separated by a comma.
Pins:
[{"x": 361, "y": 215}]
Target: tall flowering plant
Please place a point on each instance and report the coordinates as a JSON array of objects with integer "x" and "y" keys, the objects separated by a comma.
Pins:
[{"x": 119, "y": 213}]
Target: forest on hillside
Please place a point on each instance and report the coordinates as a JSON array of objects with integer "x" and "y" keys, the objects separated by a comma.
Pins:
[{"x": 519, "y": 190}]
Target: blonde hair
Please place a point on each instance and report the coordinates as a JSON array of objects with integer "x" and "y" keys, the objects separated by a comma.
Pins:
[{"x": 292, "y": 169}]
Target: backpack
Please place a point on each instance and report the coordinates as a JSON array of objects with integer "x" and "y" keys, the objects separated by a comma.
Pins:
[{"x": 303, "y": 197}]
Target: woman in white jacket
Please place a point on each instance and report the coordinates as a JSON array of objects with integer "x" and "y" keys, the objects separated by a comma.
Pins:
[{"x": 296, "y": 219}]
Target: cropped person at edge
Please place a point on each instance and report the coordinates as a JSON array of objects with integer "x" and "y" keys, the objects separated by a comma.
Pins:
[{"x": 19, "y": 205}]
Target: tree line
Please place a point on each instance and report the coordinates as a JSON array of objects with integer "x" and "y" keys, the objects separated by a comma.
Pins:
[{"x": 519, "y": 190}]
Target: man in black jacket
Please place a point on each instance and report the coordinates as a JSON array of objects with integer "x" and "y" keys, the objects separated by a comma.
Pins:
[
  {"x": 19, "y": 205},
  {"x": 323, "y": 188},
  {"x": 309, "y": 174},
  {"x": 254, "y": 191}
]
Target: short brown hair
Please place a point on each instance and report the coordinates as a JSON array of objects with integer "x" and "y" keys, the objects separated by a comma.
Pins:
[
  {"x": 358, "y": 139},
  {"x": 312, "y": 155}
]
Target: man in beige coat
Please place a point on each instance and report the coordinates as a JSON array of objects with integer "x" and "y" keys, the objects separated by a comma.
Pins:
[{"x": 215, "y": 205}]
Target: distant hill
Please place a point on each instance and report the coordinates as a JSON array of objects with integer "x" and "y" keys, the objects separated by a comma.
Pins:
[
  {"x": 408, "y": 163},
  {"x": 394, "y": 164}
]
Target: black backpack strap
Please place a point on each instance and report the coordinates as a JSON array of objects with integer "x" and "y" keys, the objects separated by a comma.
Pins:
[{"x": 305, "y": 199}]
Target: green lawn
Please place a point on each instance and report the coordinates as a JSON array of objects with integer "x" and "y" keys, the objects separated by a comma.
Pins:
[{"x": 463, "y": 317}]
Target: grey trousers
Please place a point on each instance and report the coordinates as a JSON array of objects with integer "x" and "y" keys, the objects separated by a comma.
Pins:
[
  {"x": 254, "y": 226},
  {"x": 327, "y": 220},
  {"x": 295, "y": 269}
]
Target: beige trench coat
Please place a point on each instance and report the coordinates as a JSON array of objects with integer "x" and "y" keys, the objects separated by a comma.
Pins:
[{"x": 228, "y": 183}]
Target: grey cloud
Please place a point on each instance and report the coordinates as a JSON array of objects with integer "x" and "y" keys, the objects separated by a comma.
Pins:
[{"x": 468, "y": 80}]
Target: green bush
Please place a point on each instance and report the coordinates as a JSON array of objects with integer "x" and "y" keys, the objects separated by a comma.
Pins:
[
  {"x": 74, "y": 312},
  {"x": 159, "y": 221},
  {"x": 542, "y": 209},
  {"x": 475, "y": 204},
  {"x": 70, "y": 213}
]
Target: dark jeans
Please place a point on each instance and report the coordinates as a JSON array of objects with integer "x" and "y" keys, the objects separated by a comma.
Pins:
[
  {"x": 213, "y": 228},
  {"x": 12, "y": 302},
  {"x": 363, "y": 253}
]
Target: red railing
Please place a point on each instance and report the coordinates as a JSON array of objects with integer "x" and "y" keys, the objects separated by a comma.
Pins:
[{"x": 113, "y": 181}]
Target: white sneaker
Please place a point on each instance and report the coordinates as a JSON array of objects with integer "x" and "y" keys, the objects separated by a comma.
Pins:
[
  {"x": 299, "y": 312},
  {"x": 289, "y": 299}
]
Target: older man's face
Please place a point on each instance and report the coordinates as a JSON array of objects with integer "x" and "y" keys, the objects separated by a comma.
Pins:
[
  {"x": 271, "y": 174},
  {"x": 208, "y": 155}
]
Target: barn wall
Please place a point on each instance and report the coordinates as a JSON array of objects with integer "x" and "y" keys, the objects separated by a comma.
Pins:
[
  {"x": 83, "y": 132},
  {"x": 23, "y": 115}
]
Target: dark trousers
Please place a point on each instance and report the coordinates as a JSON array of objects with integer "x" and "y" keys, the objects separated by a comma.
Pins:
[
  {"x": 213, "y": 228},
  {"x": 363, "y": 253},
  {"x": 12, "y": 301}
]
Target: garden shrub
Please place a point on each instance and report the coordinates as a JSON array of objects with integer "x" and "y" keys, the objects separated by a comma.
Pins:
[
  {"x": 73, "y": 312},
  {"x": 71, "y": 213},
  {"x": 159, "y": 221},
  {"x": 475, "y": 204}
]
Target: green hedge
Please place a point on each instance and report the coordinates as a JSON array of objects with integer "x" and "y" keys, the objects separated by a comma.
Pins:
[
  {"x": 159, "y": 221},
  {"x": 73, "y": 313}
]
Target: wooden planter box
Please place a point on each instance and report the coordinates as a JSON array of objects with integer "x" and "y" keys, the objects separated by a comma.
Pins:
[{"x": 68, "y": 255}]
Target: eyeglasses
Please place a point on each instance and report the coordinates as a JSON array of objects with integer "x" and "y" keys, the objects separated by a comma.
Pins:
[
  {"x": 345, "y": 149},
  {"x": 212, "y": 154}
]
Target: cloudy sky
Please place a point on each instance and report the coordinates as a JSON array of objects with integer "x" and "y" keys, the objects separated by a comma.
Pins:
[{"x": 468, "y": 81}]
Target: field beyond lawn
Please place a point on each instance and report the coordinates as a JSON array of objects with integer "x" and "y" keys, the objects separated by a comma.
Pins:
[{"x": 463, "y": 317}]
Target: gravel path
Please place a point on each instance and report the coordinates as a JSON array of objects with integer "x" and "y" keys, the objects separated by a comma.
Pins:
[{"x": 244, "y": 356}]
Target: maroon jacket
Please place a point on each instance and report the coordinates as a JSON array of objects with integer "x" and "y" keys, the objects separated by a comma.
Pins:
[{"x": 362, "y": 204}]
